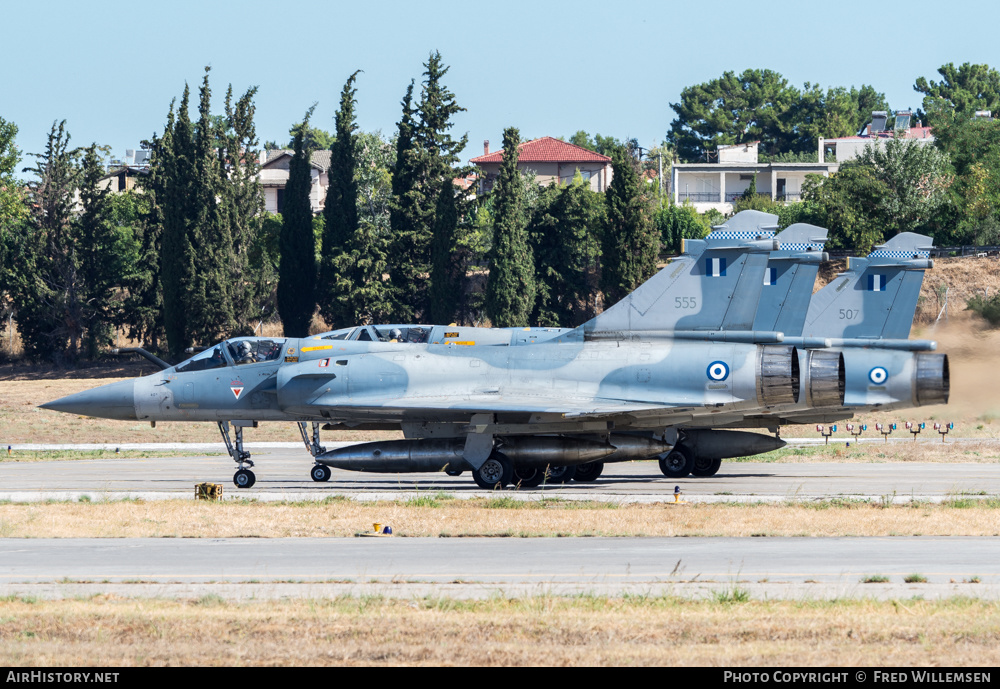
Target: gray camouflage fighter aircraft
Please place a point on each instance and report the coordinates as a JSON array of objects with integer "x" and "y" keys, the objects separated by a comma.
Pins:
[{"x": 652, "y": 376}]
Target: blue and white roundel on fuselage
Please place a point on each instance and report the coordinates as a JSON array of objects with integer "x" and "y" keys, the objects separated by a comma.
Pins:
[
  {"x": 718, "y": 371},
  {"x": 878, "y": 375}
]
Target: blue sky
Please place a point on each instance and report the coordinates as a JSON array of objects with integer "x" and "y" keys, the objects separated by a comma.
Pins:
[{"x": 548, "y": 68}]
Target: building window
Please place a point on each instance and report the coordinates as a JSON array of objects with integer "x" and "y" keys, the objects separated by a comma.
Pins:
[{"x": 281, "y": 199}]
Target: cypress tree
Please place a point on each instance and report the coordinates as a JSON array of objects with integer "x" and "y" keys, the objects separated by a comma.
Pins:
[
  {"x": 244, "y": 200},
  {"x": 446, "y": 271},
  {"x": 402, "y": 211},
  {"x": 297, "y": 267},
  {"x": 44, "y": 268},
  {"x": 564, "y": 236},
  {"x": 630, "y": 244},
  {"x": 360, "y": 274},
  {"x": 172, "y": 177},
  {"x": 340, "y": 215},
  {"x": 510, "y": 288},
  {"x": 210, "y": 300},
  {"x": 107, "y": 255},
  {"x": 429, "y": 160}
]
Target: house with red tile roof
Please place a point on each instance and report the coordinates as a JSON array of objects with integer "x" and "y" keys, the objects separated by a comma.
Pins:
[{"x": 551, "y": 161}]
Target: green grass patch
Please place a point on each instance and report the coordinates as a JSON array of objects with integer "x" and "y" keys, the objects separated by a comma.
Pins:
[
  {"x": 915, "y": 579},
  {"x": 875, "y": 579},
  {"x": 835, "y": 450},
  {"x": 735, "y": 594}
]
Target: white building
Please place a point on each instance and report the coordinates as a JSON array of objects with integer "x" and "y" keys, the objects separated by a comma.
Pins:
[
  {"x": 846, "y": 148},
  {"x": 718, "y": 185},
  {"x": 274, "y": 178}
]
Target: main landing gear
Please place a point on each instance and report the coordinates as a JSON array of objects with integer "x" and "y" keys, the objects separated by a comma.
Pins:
[
  {"x": 243, "y": 478},
  {"x": 319, "y": 472},
  {"x": 496, "y": 472},
  {"x": 681, "y": 461}
]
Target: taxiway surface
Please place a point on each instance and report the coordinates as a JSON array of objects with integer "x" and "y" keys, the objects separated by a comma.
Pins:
[
  {"x": 482, "y": 567},
  {"x": 283, "y": 474}
]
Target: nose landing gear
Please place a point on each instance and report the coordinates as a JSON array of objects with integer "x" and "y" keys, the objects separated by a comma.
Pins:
[{"x": 243, "y": 478}]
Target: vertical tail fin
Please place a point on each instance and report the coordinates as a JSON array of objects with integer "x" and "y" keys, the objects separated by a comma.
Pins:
[
  {"x": 789, "y": 279},
  {"x": 877, "y": 296},
  {"x": 714, "y": 285}
]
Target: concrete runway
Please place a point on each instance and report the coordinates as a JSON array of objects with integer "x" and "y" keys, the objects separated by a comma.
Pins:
[
  {"x": 238, "y": 569},
  {"x": 282, "y": 474},
  {"x": 798, "y": 568}
]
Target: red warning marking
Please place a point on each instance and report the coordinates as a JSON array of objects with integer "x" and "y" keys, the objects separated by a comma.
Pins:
[
  {"x": 236, "y": 391},
  {"x": 323, "y": 363}
]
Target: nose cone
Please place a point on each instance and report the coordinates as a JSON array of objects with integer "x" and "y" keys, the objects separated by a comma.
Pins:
[{"x": 114, "y": 401}]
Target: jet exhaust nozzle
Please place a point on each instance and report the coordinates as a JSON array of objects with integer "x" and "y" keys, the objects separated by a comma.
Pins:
[
  {"x": 933, "y": 379},
  {"x": 778, "y": 375},
  {"x": 827, "y": 379}
]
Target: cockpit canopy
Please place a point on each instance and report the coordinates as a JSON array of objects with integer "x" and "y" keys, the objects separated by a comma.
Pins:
[
  {"x": 383, "y": 333},
  {"x": 237, "y": 351}
]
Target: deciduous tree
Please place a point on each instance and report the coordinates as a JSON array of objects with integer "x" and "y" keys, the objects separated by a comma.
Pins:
[{"x": 965, "y": 89}]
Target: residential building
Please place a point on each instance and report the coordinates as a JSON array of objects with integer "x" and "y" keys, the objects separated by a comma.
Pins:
[
  {"x": 719, "y": 184},
  {"x": 122, "y": 174},
  {"x": 875, "y": 133},
  {"x": 274, "y": 178},
  {"x": 551, "y": 161}
]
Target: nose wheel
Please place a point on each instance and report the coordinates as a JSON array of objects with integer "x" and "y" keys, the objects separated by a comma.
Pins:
[
  {"x": 244, "y": 478},
  {"x": 320, "y": 473}
]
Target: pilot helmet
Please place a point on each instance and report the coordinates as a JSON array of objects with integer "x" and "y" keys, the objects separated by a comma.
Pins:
[
  {"x": 244, "y": 348},
  {"x": 396, "y": 334}
]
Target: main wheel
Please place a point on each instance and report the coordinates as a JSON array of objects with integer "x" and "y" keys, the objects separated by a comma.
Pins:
[
  {"x": 244, "y": 478},
  {"x": 527, "y": 477},
  {"x": 563, "y": 474},
  {"x": 677, "y": 463},
  {"x": 320, "y": 473},
  {"x": 705, "y": 467},
  {"x": 589, "y": 471},
  {"x": 496, "y": 472}
]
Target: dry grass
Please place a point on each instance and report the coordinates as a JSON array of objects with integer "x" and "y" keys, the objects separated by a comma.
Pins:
[
  {"x": 532, "y": 631},
  {"x": 444, "y": 517},
  {"x": 970, "y": 452}
]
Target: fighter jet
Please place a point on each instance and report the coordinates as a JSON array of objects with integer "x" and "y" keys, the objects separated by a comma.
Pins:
[
  {"x": 673, "y": 348},
  {"x": 866, "y": 314},
  {"x": 653, "y": 376},
  {"x": 850, "y": 337}
]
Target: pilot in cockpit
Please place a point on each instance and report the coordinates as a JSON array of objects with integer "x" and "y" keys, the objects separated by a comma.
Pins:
[{"x": 244, "y": 353}]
